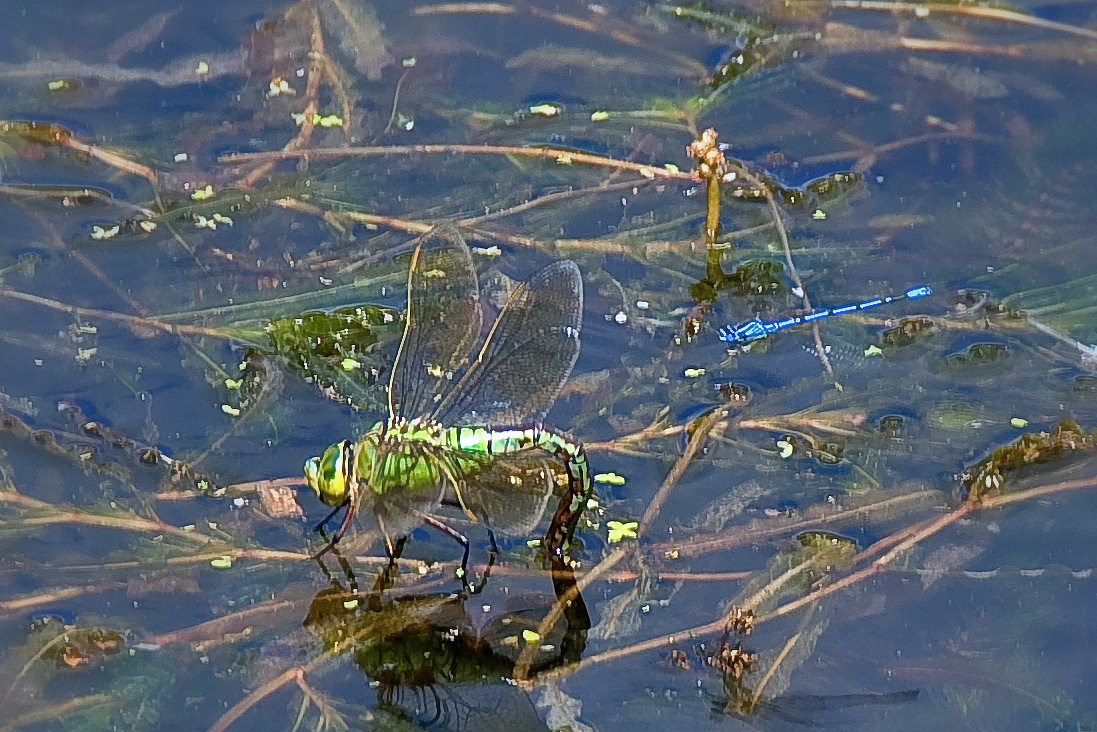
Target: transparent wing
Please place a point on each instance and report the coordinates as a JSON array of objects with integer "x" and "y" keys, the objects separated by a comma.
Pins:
[
  {"x": 443, "y": 321},
  {"x": 510, "y": 493},
  {"x": 527, "y": 356},
  {"x": 407, "y": 485}
]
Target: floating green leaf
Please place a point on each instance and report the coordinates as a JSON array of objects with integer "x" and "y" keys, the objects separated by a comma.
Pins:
[{"x": 620, "y": 530}]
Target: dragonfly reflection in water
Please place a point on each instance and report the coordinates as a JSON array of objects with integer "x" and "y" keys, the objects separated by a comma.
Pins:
[{"x": 480, "y": 443}]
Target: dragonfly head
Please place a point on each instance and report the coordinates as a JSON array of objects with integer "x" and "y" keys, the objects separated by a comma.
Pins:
[{"x": 329, "y": 475}]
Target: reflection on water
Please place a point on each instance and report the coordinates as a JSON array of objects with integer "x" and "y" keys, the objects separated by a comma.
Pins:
[{"x": 209, "y": 214}]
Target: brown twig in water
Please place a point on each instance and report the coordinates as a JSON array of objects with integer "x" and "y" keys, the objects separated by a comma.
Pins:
[
  {"x": 909, "y": 539},
  {"x": 45, "y": 133},
  {"x": 525, "y": 658},
  {"x": 130, "y": 320},
  {"x": 412, "y": 227},
  {"x": 236, "y": 489},
  {"x": 22, "y": 604},
  {"x": 112, "y": 159},
  {"x": 793, "y": 422},
  {"x": 262, "y": 554},
  {"x": 700, "y": 434},
  {"x": 295, "y": 674},
  {"x": 648, "y": 433},
  {"x": 746, "y": 535},
  {"x": 562, "y": 157},
  {"x": 58, "y": 515},
  {"x": 467, "y": 8},
  {"x": 289, "y": 603},
  {"x": 502, "y": 569},
  {"x": 977, "y": 11}
]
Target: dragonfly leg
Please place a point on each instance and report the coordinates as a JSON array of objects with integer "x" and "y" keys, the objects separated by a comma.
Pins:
[
  {"x": 319, "y": 528},
  {"x": 462, "y": 572},
  {"x": 491, "y": 563},
  {"x": 389, "y": 574},
  {"x": 352, "y": 581}
]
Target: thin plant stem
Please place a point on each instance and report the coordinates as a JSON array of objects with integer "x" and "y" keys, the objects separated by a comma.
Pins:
[
  {"x": 39, "y": 655},
  {"x": 559, "y": 156},
  {"x": 976, "y": 11},
  {"x": 700, "y": 434},
  {"x": 888, "y": 147},
  {"x": 599, "y": 27},
  {"x": 130, "y": 320},
  {"x": 56, "y": 711},
  {"x": 59, "y": 245},
  {"x": 780, "y": 658},
  {"x": 396, "y": 100},
  {"x": 552, "y": 198},
  {"x": 238, "y": 710},
  {"x": 57, "y": 515},
  {"x": 525, "y": 658},
  {"x": 782, "y": 236}
]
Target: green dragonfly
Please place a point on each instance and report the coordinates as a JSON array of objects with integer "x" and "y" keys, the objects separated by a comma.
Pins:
[{"x": 461, "y": 431}]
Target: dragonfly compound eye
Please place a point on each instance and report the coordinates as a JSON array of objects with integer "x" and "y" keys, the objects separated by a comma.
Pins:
[{"x": 327, "y": 475}]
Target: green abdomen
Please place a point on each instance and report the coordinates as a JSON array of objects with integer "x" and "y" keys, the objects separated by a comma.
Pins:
[{"x": 504, "y": 442}]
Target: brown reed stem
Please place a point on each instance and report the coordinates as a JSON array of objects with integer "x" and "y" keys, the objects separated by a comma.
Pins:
[
  {"x": 700, "y": 434},
  {"x": 295, "y": 674},
  {"x": 133, "y": 321},
  {"x": 561, "y": 157},
  {"x": 525, "y": 658},
  {"x": 56, "y": 515}
]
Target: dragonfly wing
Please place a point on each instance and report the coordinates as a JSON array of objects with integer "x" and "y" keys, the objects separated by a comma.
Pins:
[
  {"x": 527, "y": 357},
  {"x": 510, "y": 493},
  {"x": 443, "y": 320},
  {"x": 406, "y": 484}
]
